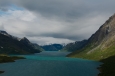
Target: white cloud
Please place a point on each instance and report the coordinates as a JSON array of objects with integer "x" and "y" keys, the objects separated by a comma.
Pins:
[{"x": 49, "y": 40}]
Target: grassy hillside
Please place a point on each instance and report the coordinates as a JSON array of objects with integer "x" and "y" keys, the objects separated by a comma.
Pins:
[
  {"x": 101, "y": 47},
  {"x": 101, "y": 44},
  {"x": 96, "y": 54},
  {"x": 106, "y": 56}
]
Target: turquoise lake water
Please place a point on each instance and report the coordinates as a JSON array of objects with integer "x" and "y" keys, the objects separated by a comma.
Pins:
[{"x": 50, "y": 64}]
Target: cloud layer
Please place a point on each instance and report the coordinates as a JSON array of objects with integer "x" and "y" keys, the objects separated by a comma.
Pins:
[{"x": 54, "y": 21}]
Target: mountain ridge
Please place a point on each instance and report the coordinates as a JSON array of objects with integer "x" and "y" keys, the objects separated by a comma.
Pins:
[
  {"x": 13, "y": 45},
  {"x": 70, "y": 47},
  {"x": 52, "y": 47},
  {"x": 99, "y": 43}
]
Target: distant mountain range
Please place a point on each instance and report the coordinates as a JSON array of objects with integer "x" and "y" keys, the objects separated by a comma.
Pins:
[
  {"x": 52, "y": 47},
  {"x": 100, "y": 45},
  {"x": 13, "y": 45}
]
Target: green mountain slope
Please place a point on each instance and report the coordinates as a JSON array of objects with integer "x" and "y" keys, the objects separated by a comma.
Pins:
[{"x": 101, "y": 44}]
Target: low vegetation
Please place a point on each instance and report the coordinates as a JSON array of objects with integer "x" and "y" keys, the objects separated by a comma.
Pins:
[
  {"x": 6, "y": 59},
  {"x": 108, "y": 68},
  {"x": 106, "y": 56},
  {"x": 96, "y": 54}
]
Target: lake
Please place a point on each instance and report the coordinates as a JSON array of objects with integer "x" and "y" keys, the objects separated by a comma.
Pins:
[{"x": 50, "y": 64}]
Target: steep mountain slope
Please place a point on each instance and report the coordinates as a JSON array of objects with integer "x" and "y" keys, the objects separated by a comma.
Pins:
[
  {"x": 74, "y": 46},
  {"x": 13, "y": 45},
  {"x": 52, "y": 47},
  {"x": 101, "y": 44},
  {"x": 38, "y": 47}
]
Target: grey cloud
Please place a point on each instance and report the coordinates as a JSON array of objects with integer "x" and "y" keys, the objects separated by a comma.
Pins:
[
  {"x": 79, "y": 18},
  {"x": 56, "y": 35},
  {"x": 65, "y": 9},
  {"x": 1, "y": 27},
  {"x": 4, "y": 9},
  {"x": 68, "y": 9},
  {"x": 5, "y": 3}
]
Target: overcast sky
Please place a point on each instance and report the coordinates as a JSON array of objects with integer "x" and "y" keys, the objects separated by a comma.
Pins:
[{"x": 54, "y": 21}]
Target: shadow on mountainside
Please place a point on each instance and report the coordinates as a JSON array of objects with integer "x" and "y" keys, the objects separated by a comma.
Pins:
[{"x": 108, "y": 68}]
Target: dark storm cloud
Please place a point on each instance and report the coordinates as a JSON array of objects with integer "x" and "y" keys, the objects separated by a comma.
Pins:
[{"x": 68, "y": 8}]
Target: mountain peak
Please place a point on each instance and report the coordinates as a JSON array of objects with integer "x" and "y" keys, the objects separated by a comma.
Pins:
[
  {"x": 3, "y": 32},
  {"x": 24, "y": 39},
  {"x": 13, "y": 45}
]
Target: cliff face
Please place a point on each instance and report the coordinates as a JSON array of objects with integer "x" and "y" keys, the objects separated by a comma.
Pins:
[
  {"x": 101, "y": 44},
  {"x": 13, "y": 45},
  {"x": 105, "y": 32}
]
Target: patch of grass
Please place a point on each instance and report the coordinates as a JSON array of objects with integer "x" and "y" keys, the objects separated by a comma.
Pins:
[{"x": 5, "y": 59}]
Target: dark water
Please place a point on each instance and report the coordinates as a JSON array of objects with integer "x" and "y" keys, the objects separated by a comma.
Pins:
[{"x": 50, "y": 64}]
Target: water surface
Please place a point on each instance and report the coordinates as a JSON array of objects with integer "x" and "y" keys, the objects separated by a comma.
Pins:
[{"x": 50, "y": 64}]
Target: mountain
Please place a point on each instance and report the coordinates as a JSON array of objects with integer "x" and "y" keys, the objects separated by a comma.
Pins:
[
  {"x": 100, "y": 45},
  {"x": 74, "y": 46},
  {"x": 38, "y": 47},
  {"x": 52, "y": 47},
  {"x": 13, "y": 45}
]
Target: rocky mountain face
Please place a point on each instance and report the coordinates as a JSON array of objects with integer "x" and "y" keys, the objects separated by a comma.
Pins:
[
  {"x": 14, "y": 45},
  {"x": 74, "y": 46},
  {"x": 52, "y": 47},
  {"x": 101, "y": 44}
]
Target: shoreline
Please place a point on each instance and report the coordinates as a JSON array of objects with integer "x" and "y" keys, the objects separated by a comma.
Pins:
[
  {"x": 7, "y": 59},
  {"x": 108, "y": 67},
  {"x": 99, "y": 68}
]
